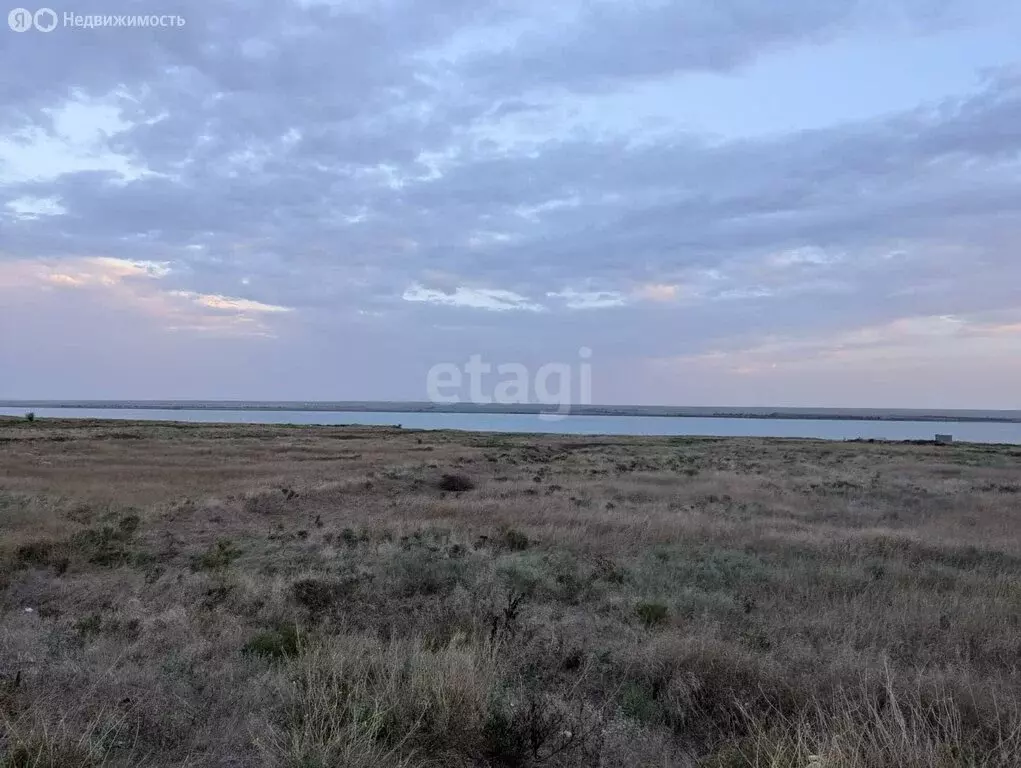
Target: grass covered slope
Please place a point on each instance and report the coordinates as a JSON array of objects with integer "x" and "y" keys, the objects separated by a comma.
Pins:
[{"x": 281, "y": 596}]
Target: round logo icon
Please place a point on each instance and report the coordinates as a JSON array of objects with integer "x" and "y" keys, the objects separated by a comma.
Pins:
[
  {"x": 20, "y": 20},
  {"x": 45, "y": 19}
]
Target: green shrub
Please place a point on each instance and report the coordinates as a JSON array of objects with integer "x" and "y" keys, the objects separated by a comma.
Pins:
[
  {"x": 506, "y": 741},
  {"x": 38, "y": 553},
  {"x": 104, "y": 546},
  {"x": 317, "y": 595},
  {"x": 89, "y": 626},
  {"x": 609, "y": 571},
  {"x": 107, "y": 546},
  {"x": 217, "y": 558},
  {"x": 652, "y": 613},
  {"x": 638, "y": 701},
  {"x": 521, "y": 576},
  {"x": 278, "y": 643},
  {"x": 422, "y": 572},
  {"x": 525, "y": 728},
  {"x": 515, "y": 540},
  {"x": 353, "y": 538},
  {"x": 127, "y": 526}
]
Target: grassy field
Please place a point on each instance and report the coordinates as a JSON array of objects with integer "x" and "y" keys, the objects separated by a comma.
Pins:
[{"x": 209, "y": 595}]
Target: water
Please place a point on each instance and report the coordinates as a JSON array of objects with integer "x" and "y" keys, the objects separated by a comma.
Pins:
[{"x": 827, "y": 429}]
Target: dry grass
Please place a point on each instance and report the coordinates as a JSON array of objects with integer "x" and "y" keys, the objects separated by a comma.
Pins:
[{"x": 267, "y": 596}]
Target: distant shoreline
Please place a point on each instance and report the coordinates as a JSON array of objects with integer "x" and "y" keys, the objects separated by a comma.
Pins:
[{"x": 831, "y": 414}]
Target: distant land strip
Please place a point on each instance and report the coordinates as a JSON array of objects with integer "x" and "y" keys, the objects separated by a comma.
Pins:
[{"x": 836, "y": 414}]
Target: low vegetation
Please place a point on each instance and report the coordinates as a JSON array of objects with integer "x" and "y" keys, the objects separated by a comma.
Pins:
[{"x": 176, "y": 595}]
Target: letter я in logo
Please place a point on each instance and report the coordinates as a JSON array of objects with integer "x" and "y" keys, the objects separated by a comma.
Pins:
[{"x": 20, "y": 20}]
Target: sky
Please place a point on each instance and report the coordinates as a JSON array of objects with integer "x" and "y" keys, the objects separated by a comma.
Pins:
[{"x": 709, "y": 202}]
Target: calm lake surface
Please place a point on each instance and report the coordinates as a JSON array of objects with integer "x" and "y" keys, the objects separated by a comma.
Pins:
[{"x": 827, "y": 429}]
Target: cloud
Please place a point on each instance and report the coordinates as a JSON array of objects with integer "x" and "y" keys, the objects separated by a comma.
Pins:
[
  {"x": 495, "y": 300},
  {"x": 588, "y": 299},
  {"x": 135, "y": 288},
  {"x": 658, "y": 292},
  {"x": 918, "y": 362},
  {"x": 229, "y": 304},
  {"x": 900, "y": 343},
  {"x": 448, "y": 176},
  {"x": 605, "y": 43},
  {"x": 801, "y": 256},
  {"x": 34, "y": 207}
]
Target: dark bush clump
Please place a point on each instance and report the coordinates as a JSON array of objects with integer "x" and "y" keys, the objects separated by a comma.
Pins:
[
  {"x": 652, "y": 613},
  {"x": 317, "y": 595},
  {"x": 277, "y": 643},
  {"x": 455, "y": 483},
  {"x": 217, "y": 558},
  {"x": 516, "y": 541},
  {"x": 35, "y": 553},
  {"x": 108, "y": 545}
]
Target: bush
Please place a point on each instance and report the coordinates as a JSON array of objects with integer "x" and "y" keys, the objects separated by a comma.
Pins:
[
  {"x": 455, "y": 483},
  {"x": 37, "y": 553},
  {"x": 363, "y": 702},
  {"x": 532, "y": 727},
  {"x": 652, "y": 613},
  {"x": 278, "y": 643},
  {"x": 30, "y": 416},
  {"x": 516, "y": 541},
  {"x": 127, "y": 526},
  {"x": 106, "y": 546},
  {"x": 419, "y": 572},
  {"x": 89, "y": 626},
  {"x": 638, "y": 701},
  {"x": 317, "y": 595},
  {"x": 217, "y": 558}
]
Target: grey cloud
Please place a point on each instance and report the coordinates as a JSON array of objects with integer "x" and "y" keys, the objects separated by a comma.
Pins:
[
  {"x": 339, "y": 211},
  {"x": 614, "y": 42}
]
